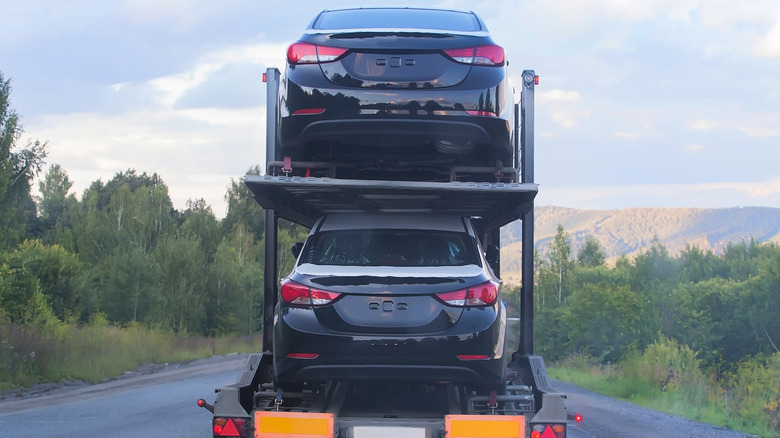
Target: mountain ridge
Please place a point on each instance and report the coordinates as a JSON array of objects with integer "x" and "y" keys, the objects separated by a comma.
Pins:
[{"x": 630, "y": 231}]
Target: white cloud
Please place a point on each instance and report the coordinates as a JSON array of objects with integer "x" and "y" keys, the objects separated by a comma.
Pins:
[
  {"x": 171, "y": 88},
  {"x": 558, "y": 95},
  {"x": 693, "y": 148},
  {"x": 566, "y": 120},
  {"x": 631, "y": 136},
  {"x": 195, "y": 151},
  {"x": 756, "y": 126}
]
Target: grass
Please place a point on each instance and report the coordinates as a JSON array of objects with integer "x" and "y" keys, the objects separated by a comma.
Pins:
[
  {"x": 99, "y": 351},
  {"x": 697, "y": 400}
]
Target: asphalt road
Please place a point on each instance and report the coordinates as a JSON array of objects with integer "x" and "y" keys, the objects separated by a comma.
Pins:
[
  {"x": 164, "y": 405},
  {"x": 156, "y": 405}
]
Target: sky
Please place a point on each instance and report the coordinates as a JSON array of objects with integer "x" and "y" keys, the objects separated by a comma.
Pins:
[{"x": 651, "y": 103}]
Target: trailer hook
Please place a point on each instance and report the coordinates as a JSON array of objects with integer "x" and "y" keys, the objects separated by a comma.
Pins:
[
  {"x": 493, "y": 402},
  {"x": 278, "y": 401}
]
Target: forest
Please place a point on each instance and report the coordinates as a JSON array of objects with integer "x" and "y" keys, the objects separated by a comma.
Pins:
[
  {"x": 703, "y": 324},
  {"x": 122, "y": 256}
]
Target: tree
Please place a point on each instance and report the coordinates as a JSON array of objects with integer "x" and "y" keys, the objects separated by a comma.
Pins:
[
  {"x": 560, "y": 259},
  {"x": 57, "y": 273},
  {"x": 239, "y": 281},
  {"x": 242, "y": 208},
  {"x": 199, "y": 222},
  {"x": 55, "y": 205},
  {"x": 183, "y": 297},
  {"x": 17, "y": 169},
  {"x": 591, "y": 254}
]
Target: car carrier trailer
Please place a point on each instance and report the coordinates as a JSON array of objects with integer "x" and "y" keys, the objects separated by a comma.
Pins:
[{"x": 301, "y": 192}]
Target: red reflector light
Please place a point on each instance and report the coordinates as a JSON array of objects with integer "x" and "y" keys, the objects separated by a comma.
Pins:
[
  {"x": 536, "y": 80},
  {"x": 473, "y": 357},
  {"x": 548, "y": 431},
  {"x": 265, "y": 77},
  {"x": 484, "y": 294},
  {"x": 309, "y": 111},
  {"x": 230, "y": 427},
  {"x": 480, "y": 55},
  {"x": 298, "y": 294},
  {"x": 308, "y": 53},
  {"x": 303, "y": 355}
]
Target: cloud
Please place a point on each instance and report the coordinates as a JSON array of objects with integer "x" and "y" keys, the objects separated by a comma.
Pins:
[
  {"x": 558, "y": 95},
  {"x": 769, "y": 45},
  {"x": 631, "y": 136},
  {"x": 693, "y": 148},
  {"x": 762, "y": 125},
  {"x": 170, "y": 89},
  {"x": 196, "y": 151}
]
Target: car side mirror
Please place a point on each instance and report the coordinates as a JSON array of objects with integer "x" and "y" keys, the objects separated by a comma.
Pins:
[
  {"x": 296, "y": 249},
  {"x": 491, "y": 254}
]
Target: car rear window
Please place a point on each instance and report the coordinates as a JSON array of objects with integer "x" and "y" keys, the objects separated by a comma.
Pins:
[
  {"x": 390, "y": 248},
  {"x": 406, "y": 18}
]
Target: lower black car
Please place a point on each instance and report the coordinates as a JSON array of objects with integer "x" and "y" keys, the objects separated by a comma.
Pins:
[{"x": 390, "y": 297}]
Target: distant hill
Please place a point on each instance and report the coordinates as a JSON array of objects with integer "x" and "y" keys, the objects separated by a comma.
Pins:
[{"x": 630, "y": 231}]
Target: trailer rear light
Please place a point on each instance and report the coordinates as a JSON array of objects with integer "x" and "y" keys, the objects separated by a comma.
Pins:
[
  {"x": 481, "y": 295},
  {"x": 480, "y": 55},
  {"x": 548, "y": 431},
  {"x": 578, "y": 418},
  {"x": 308, "y": 53},
  {"x": 230, "y": 426},
  {"x": 298, "y": 294}
]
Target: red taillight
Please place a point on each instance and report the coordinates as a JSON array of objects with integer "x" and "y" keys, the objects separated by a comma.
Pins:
[
  {"x": 578, "y": 418},
  {"x": 309, "y": 111},
  {"x": 308, "y": 53},
  {"x": 548, "y": 431},
  {"x": 484, "y": 294},
  {"x": 480, "y": 55},
  {"x": 295, "y": 293},
  {"x": 229, "y": 426},
  {"x": 473, "y": 357},
  {"x": 303, "y": 355}
]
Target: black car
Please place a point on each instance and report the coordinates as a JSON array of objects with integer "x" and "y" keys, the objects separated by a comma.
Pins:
[
  {"x": 393, "y": 89},
  {"x": 384, "y": 297}
]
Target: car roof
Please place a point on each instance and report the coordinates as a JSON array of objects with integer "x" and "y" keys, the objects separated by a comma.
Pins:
[
  {"x": 405, "y": 221},
  {"x": 398, "y": 19}
]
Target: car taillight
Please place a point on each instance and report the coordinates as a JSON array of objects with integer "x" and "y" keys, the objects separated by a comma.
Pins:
[
  {"x": 308, "y": 53},
  {"x": 296, "y": 293},
  {"x": 548, "y": 431},
  {"x": 480, "y": 55},
  {"x": 235, "y": 426},
  {"x": 484, "y": 294}
]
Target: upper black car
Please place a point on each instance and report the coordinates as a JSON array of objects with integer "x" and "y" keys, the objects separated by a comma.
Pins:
[
  {"x": 394, "y": 89},
  {"x": 390, "y": 297}
]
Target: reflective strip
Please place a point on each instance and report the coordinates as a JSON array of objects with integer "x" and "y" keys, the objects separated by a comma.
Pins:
[
  {"x": 485, "y": 426},
  {"x": 293, "y": 425}
]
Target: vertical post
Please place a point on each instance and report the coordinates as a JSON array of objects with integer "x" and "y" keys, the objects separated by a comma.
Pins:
[
  {"x": 526, "y": 346},
  {"x": 270, "y": 275}
]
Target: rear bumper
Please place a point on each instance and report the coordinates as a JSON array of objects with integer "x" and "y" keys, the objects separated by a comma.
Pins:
[{"x": 428, "y": 358}]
